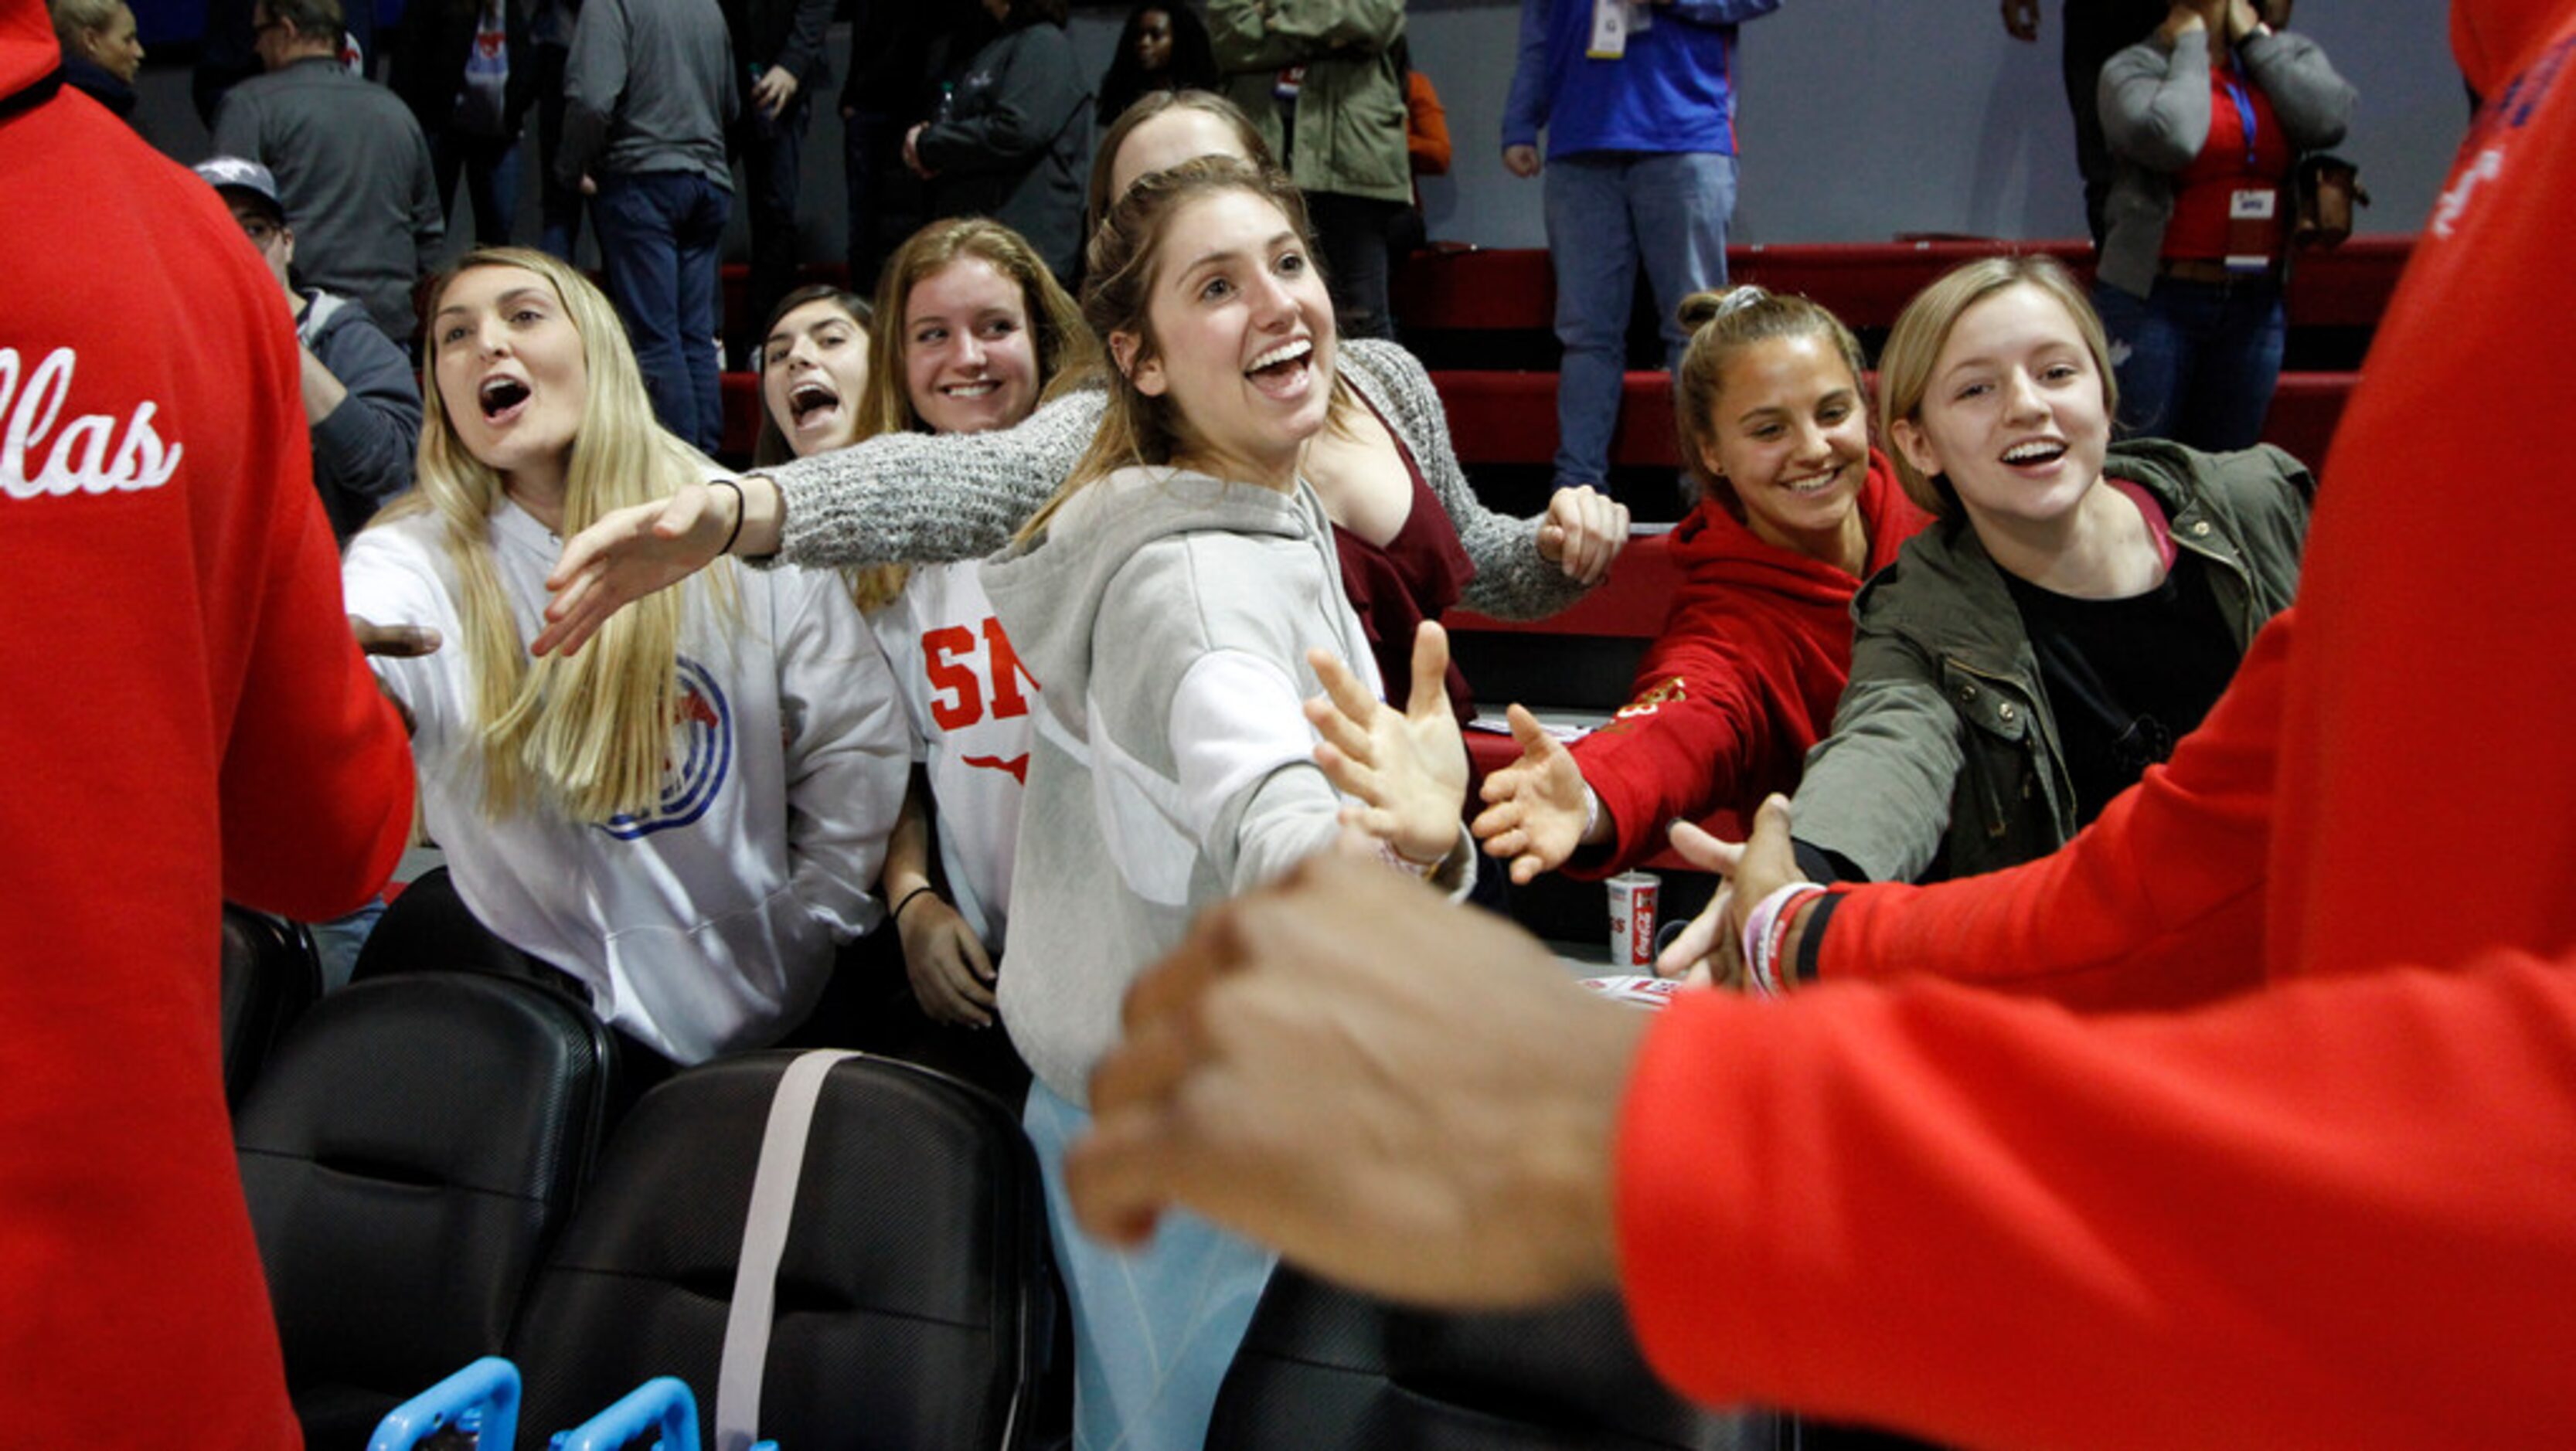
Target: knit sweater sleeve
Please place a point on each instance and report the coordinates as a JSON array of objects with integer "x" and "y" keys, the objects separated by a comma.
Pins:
[
  {"x": 923, "y": 498},
  {"x": 1513, "y": 581}
]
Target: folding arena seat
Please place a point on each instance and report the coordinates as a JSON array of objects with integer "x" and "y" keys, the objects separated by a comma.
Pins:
[
  {"x": 408, "y": 1154},
  {"x": 1324, "y": 1369},
  {"x": 270, "y": 976},
  {"x": 911, "y": 1292},
  {"x": 428, "y": 928}
]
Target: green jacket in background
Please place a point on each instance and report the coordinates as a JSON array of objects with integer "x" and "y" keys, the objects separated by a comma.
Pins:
[
  {"x": 1944, "y": 749},
  {"x": 1350, "y": 107}
]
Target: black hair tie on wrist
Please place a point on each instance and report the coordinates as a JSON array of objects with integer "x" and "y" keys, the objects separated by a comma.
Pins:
[{"x": 741, "y": 506}]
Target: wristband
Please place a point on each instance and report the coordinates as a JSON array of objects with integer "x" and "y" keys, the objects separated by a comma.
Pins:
[
  {"x": 896, "y": 916},
  {"x": 1591, "y": 813},
  {"x": 741, "y": 506},
  {"x": 1765, "y": 928}
]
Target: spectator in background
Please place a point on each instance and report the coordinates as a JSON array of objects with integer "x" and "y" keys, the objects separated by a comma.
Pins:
[
  {"x": 467, "y": 69},
  {"x": 1319, "y": 78},
  {"x": 779, "y": 46},
  {"x": 891, "y": 42},
  {"x": 1162, "y": 47},
  {"x": 2096, "y": 30},
  {"x": 1013, "y": 139},
  {"x": 1640, "y": 165},
  {"x": 360, "y": 402},
  {"x": 189, "y": 722},
  {"x": 348, "y": 158},
  {"x": 230, "y": 52},
  {"x": 647, "y": 98},
  {"x": 2207, "y": 118},
  {"x": 101, "y": 52},
  {"x": 1426, "y": 152},
  {"x": 559, "y": 202}
]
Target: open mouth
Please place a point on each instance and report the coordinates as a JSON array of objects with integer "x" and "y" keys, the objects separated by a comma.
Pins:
[
  {"x": 977, "y": 389},
  {"x": 810, "y": 398},
  {"x": 500, "y": 396},
  {"x": 2034, "y": 453},
  {"x": 1282, "y": 371}
]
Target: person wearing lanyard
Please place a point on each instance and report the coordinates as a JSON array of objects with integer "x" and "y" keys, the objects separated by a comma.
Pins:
[{"x": 2206, "y": 119}]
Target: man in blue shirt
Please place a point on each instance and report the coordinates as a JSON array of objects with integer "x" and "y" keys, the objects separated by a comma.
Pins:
[{"x": 1638, "y": 101}]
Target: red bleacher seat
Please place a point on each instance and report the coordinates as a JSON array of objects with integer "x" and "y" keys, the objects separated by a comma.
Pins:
[{"x": 1510, "y": 418}]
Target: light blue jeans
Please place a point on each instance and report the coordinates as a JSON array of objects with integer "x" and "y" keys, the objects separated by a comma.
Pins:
[
  {"x": 1154, "y": 1330},
  {"x": 1605, "y": 210}
]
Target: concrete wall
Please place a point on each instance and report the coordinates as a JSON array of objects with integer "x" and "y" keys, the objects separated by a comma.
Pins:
[{"x": 1860, "y": 119}]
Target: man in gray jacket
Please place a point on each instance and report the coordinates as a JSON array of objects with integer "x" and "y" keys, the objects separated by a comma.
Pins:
[
  {"x": 649, "y": 90},
  {"x": 348, "y": 158}
]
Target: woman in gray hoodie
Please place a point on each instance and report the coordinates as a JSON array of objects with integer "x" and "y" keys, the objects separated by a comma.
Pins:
[{"x": 1179, "y": 598}]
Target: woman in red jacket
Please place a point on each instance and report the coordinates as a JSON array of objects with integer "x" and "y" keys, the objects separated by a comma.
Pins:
[{"x": 1796, "y": 509}]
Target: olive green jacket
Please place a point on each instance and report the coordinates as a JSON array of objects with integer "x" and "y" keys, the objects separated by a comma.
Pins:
[
  {"x": 1350, "y": 107},
  {"x": 1944, "y": 750}
]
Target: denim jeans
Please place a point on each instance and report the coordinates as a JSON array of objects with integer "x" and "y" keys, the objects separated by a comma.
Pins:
[
  {"x": 559, "y": 202},
  {"x": 658, "y": 237},
  {"x": 2196, "y": 360},
  {"x": 491, "y": 167},
  {"x": 1154, "y": 1329},
  {"x": 1606, "y": 209},
  {"x": 1351, "y": 233},
  {"x": 772, "y": 153}
]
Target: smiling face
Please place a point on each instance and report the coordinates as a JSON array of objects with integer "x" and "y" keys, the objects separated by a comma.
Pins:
[
  {"x": 512, "y": 377},
  {"x": 1241, "y": 338},
  {"x": 1791, "y": 438},
  {"x": 970, "y": 362},
  {"x": 2013, "y": 413},
  {"x": 813, "y": 372},
  {"x": 1153, "y": 41}
]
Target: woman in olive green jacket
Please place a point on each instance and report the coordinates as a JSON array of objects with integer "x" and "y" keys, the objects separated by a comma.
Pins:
[
  {"x": 2079, "y": 606},
  {"x": 1319, "y": 78}
]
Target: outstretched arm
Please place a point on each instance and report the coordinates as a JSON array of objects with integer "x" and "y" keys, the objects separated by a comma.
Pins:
[{"x": 1408, "y": 768}]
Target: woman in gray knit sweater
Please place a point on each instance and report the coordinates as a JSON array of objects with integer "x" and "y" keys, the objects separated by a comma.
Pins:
[{"x": 922, "y": 498}]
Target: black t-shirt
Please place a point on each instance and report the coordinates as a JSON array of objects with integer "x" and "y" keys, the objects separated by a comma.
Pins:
[{"x": 2127, "y": 678}]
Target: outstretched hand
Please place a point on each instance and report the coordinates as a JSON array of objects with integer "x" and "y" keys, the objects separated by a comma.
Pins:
[
  {"x": 1409, "y": 767},
  {"x": 393, "y": 642},
  {"x": 1253, "y": 1085},
  {"x": 628, "y": 554},
  {"x": 1535, "y": 806},
  {"x": 1584, "y": 532},
  {"x": 1712, "y": 946}
]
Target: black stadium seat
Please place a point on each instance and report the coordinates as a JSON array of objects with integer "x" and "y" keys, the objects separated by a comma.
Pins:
[
  {"x": 428, "y": 928},
  {"x": 407, "y": 1155},
  {"x": 1323, "y": 1369},
  {"x": 270, "y": 976},
  {"x": 913, "y": 1297}
]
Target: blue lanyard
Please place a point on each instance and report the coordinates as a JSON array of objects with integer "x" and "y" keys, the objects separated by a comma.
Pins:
[{"x": 2235, "y": 83}]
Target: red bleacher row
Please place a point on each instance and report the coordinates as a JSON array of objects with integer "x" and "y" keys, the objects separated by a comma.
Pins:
[{"x": 1509, "y": 417}]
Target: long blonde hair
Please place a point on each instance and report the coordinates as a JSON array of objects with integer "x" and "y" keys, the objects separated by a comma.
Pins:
[
  {"x": 1068, "y": 355},
  {"x": 586, "y": 734},
  {"x": 1121, "y": 265}
]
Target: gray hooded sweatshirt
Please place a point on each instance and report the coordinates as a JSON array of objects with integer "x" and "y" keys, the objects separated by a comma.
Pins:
[{"x": 1166, "y": 616}]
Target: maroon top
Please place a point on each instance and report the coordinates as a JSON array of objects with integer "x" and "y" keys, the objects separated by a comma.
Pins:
[{"x": 1416, "y": 576}]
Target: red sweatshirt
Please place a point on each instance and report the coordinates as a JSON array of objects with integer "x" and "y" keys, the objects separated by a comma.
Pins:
[
  {"x": 187, "y": 719},
  {"x": 1754, "y": 654},
  {"x": 2314, "y": 1184}
]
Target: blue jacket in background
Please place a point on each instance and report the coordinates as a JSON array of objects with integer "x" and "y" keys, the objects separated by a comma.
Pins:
[{"x": 1673, "y": 90}]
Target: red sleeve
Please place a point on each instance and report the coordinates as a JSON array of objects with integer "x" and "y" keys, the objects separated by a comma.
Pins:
[
  {"x": 316, "y": 783},
  {"x": 2332, "y": 1214},
  {"x": 317, "y": 779},
  {"x": 1690, "y": 738},
  {"x": 2159, "y": 903}
]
